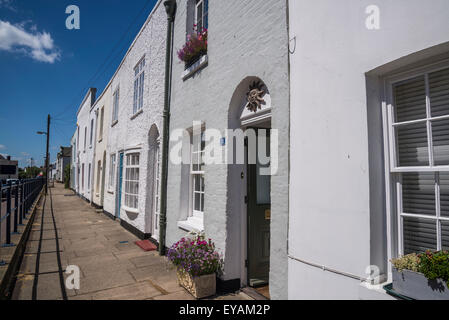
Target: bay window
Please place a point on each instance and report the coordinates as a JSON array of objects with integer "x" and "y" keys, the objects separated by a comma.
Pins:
[
  {"x": 132, "y": 181},
  {"x": 418, "y": 119}
]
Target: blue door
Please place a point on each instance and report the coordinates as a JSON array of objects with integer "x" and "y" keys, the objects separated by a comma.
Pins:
[{"x": 119, "y": 186}]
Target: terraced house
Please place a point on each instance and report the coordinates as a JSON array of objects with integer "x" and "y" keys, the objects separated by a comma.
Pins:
[
  {"x": 102, "y": 116},
  {"x": 85, "y": 144},
  {"x": 344, "y": 104},
  {"x": 134, "y": 124}
]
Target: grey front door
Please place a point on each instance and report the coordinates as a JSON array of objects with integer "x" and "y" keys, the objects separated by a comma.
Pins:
[{"x": 259, "y": 216}]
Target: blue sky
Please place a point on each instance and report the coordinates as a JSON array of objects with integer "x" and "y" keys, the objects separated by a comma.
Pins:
[{"x": 46, "y": 68}]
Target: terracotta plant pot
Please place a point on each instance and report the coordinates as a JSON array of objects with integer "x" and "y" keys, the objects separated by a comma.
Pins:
[{"x": 199, "y": 287}]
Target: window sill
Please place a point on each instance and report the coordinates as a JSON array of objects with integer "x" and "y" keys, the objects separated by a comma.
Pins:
[
  {"x": 367, "y": 293},
  {"x": 130, "y": 210},
  {"x": 114, "y": 123},
  {"x": 138, "y": 113},
  {"x": 197, "y": 66},
  {"x": 191, "y": 224}
]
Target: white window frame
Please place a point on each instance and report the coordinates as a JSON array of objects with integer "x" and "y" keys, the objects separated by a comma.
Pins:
[
  {"x": 393, "y": 170},
  {"x": 89, "y": 177},
  {"x": 112, "y": 166},
  {"x": 204, "y": 16},
  {"x": 139, "y": 86},
  {"x": 101, "y": 127},
  {"x": 98, "y": 178},
  {"x": 115, "y": 105},
  {"x": 195, "y": 159},
  {"x": 126, "y": 180},
  {"x": 85, "y": 138},
  {"x": 91, "y": 138}
]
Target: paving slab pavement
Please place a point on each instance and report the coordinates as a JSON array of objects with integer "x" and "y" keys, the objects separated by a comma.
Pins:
[{"x": 109, "y": 268}]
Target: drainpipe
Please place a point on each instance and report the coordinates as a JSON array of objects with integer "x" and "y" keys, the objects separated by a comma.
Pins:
[{"x": 170, "y": 7}]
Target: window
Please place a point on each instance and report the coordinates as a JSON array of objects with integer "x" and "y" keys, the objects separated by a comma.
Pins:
[
  {"x": 82, "y": 178},
  {"x": 85, "y": 138},
  {"x": 115, "y": 101},
  {"x": 112, "y": 171},
  {"x": 100, "y": 135},
  {"x": 139, "y": 81},
  {"x": 419, "y": 143},
  {"x": 201, "y": 15},
  {"x": 197, "y": 175},
  {"x": 88, "y": 178},
  {"x": 97, "y": 185},
  {"x": 91, "y": 132},
  {"x": 132, "y": 181}
]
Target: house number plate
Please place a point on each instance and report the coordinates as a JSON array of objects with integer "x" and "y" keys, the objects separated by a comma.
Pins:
[{"x": 267, "y": 214}]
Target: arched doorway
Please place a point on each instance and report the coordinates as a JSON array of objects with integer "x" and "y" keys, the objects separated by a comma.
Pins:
[
  {"x": 154, "y": 184},
  {"x": 249, "y": 186}
]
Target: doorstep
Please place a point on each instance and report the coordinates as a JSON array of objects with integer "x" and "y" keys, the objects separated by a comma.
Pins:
[{"x": 253, "y": 293}]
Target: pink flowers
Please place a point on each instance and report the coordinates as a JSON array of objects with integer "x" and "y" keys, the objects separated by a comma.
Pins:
[{"x": 195, "y": 47}]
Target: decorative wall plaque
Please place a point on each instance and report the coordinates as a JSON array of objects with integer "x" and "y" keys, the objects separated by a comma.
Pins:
[{"x": 255, "y": 96}]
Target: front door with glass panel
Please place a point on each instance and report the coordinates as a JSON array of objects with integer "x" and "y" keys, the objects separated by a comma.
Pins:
[{"x": 259, "y": 218}]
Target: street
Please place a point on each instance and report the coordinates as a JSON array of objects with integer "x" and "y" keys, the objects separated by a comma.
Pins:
[{"x": 67, "y": 231}]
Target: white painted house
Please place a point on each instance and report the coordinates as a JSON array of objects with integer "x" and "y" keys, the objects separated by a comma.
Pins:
[
  {"x": 137, "y": 87},
  {"x": 85, "y": 144},
  {"x": 102, "y": 113},
  {"x": 247, "y": 45},
  {"x": 369, "y": 143}
]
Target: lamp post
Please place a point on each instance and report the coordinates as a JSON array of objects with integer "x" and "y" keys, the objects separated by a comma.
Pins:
[{"x": 47, "y": 160}]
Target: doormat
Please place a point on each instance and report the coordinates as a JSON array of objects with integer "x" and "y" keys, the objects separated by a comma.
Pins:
[{"x": 146, "y": 245}]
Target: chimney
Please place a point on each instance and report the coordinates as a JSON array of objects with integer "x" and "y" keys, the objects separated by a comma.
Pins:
[{"x": 8, "y": 158}]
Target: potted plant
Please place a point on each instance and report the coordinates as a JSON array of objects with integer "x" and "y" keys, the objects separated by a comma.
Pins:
[
  {"x": 197, "y": 263},
  {"x": 422, "y": 276},
  {"x": 194, "y": 48}
]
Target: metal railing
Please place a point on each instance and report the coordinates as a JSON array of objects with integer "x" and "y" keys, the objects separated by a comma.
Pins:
[{"x": 22, "y": 193}]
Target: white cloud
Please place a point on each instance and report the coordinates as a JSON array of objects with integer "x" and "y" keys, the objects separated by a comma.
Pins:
[
  {"x": 25, "y": 154},
  {"x": 37, "y": 45},
  {"x": 2, "y": 147}
]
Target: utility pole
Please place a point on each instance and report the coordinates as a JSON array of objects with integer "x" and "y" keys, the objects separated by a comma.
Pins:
[
  {"x": 47, "y": 158},
  {"x": 47, "y": 155}
]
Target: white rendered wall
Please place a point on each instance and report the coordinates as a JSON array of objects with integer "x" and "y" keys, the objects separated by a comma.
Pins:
[
  {"x": 246, "y": 39},
  {"x": 85, "y": 153},
  {"x": 105, "y": 102},
  {"x": 130, "y": 134},
  {"x": 336, "y": 201}
]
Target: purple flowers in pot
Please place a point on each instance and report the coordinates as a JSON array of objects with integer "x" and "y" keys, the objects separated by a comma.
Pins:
[{"x": 195, "y": 256}]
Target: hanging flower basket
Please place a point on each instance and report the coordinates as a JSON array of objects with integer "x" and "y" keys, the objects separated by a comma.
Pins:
[
  {"x": 194, "y": 48},
  {"x": 197, "y": 263}
]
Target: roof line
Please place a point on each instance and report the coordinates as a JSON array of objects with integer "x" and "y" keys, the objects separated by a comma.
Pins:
[{"x": 130, "y": 47}]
